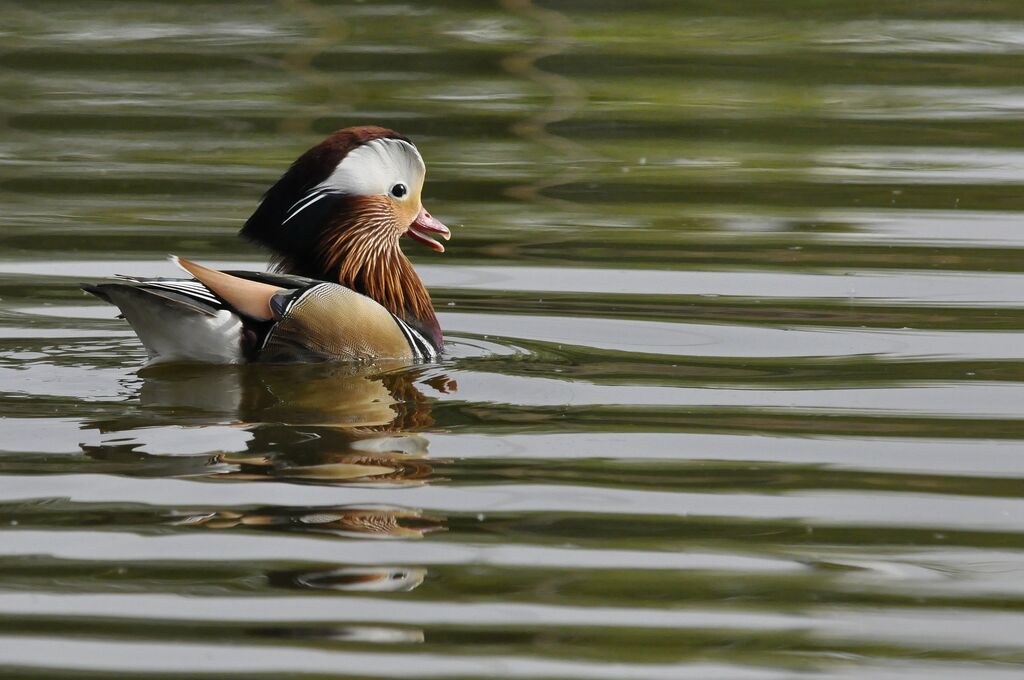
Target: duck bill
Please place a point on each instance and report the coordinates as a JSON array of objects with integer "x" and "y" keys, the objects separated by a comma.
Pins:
[{"x": 424, "y": 227}]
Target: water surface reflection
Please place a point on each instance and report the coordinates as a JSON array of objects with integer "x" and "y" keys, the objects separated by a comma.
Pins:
[
  {"x": 317, "y": 424},
  {"x": 735, "y": 305},
  {"x": 325, "y": 424}
]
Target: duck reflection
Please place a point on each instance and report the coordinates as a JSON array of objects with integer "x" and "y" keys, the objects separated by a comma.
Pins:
[
  {"x": 378, "y": 396},
  {"x": 362, "y": 634},
  {"x": 382, "y": 521},
  {"x": 300, "y": 424},
  {"x": 377, "y": 522},
  {"x": 312, "y": 424},
  {"x": 352, "y": 579}
]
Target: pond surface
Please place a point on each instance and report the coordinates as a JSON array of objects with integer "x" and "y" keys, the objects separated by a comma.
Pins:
[{"x": 735, "y": 312}]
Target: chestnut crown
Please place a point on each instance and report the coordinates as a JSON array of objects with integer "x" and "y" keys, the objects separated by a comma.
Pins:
[{"x": 351, "y": 163}]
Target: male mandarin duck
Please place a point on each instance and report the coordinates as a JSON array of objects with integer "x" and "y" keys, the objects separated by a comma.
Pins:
[{"x": 343, "y": 289}]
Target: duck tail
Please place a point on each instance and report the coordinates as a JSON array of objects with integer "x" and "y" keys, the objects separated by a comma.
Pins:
[{"x": 174, "y": 327}]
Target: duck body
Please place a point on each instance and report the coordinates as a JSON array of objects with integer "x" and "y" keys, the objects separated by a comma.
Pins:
[
  {"x": 239, "y": 317},
  {"x": 344, "y": 291}
]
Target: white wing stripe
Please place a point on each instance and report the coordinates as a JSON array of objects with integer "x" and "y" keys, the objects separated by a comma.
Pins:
[
  {"x": 192, "y": 289},
  {"x": 187, "y": 290}
]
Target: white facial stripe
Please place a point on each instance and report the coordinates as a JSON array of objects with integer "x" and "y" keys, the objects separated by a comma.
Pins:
[
  {"x": 303, "y": 203},
  {"x": 375, "y": 167}
]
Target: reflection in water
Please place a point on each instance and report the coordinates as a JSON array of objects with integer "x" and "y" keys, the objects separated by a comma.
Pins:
[
  {"x": 360, "y": 579},
  {"x": 317, "y": 424},
  {"x": 381, "y": 396},
  {"x": 369, "y": 634},
  {"x": 378, "y": 467},
  {"x": 567, "y": 97},
  {"x": 353, "y": 521}
]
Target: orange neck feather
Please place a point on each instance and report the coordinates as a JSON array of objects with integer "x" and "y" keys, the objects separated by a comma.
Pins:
[{"x": 363, "y": 254}]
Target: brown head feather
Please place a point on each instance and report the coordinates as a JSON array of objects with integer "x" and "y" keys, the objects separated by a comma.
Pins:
[{"x": 308, "y": 170}]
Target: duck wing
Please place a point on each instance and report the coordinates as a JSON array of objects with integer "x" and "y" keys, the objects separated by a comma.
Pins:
[
  {"x": 274, "y": 278},
  {"x": 319, "y": 321}
]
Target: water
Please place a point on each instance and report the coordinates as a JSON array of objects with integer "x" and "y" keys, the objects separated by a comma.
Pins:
[{"x": 735, "y": 310}]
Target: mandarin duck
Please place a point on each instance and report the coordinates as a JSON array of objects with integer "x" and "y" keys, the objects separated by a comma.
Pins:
[{"x": 342, "y": 289}]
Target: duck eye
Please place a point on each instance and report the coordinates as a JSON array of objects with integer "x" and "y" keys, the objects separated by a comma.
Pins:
[{"x": 399, "y": 190}]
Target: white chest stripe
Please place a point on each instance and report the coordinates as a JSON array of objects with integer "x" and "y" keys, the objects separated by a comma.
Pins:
[
  {"x": 428, "y": 349},
  {"x": 421, "y": 349}
]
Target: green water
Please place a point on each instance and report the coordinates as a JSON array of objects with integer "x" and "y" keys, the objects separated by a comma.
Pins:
[{"x": 735, "y": 313}]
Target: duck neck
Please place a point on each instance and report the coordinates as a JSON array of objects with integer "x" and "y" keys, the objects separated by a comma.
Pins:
[{"x": 370, "y": 261}]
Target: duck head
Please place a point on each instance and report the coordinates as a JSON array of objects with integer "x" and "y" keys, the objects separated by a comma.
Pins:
[{"x": 339, "y": 212}]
